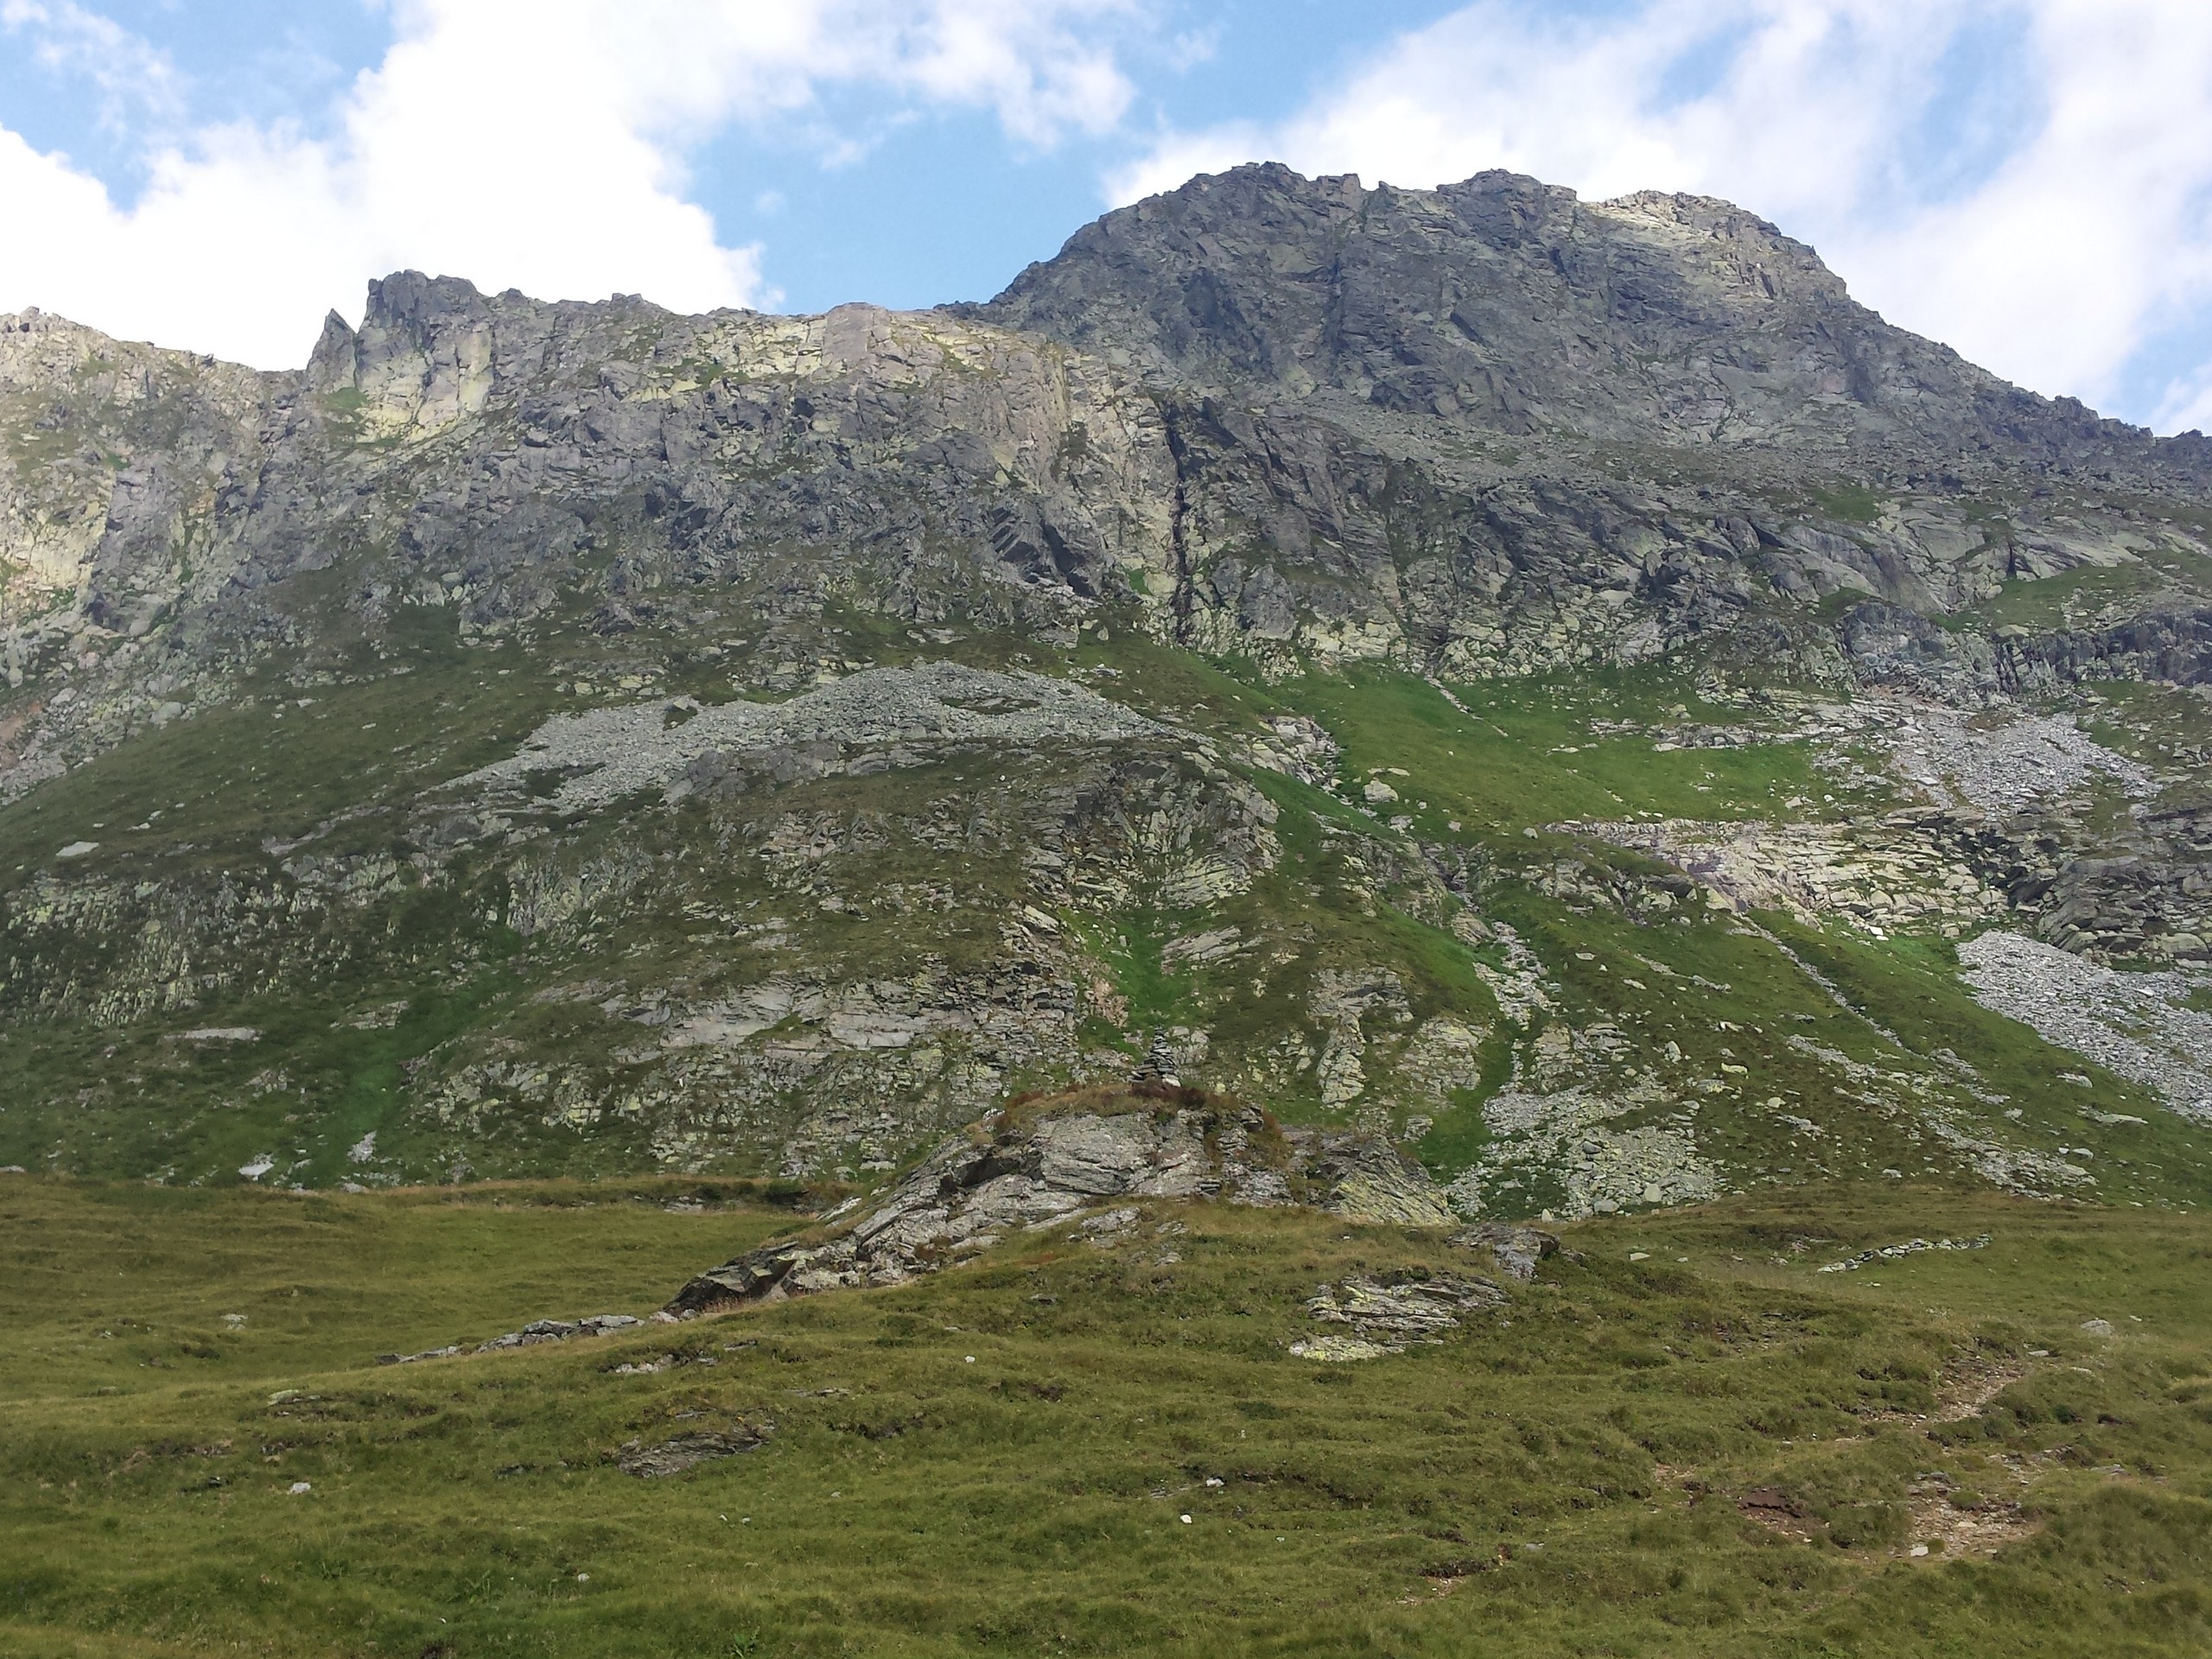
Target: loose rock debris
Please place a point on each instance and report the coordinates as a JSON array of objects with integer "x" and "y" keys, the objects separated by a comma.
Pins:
[
  {"x": 876, "y": 718},
  {"x": 682, "y": 1452},
  {"x": 537, "y": 1331},
  {"x": 2137, "y": 1025},
  {"x": 1943, "y": 1524},
  {"x": 1911, "y": 1246}
]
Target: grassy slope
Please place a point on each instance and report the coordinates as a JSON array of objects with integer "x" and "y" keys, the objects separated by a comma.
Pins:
[
  {"x": 910, "y": 1502},
  {"x": 1523, "y": 754},
  {"x": 1753, "y": 1000},
  {"x": 192, "y": 806}
]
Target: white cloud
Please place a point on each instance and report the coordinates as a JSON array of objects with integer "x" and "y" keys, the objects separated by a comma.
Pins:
[
  {"x": 133, "y": 79},
  {"x": 542, "y": 144},
  {"x": 2078, "y": 232},
  {"x": 531, "y": 143},
  {"x": 2187, "y": 405}
]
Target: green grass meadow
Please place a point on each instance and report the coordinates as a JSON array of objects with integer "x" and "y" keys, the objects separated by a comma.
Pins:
[{"x": 1687, "y": 1442}]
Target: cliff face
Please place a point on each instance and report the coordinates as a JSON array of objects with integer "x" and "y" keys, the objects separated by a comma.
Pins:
[{"x": 1272, "y": 633}]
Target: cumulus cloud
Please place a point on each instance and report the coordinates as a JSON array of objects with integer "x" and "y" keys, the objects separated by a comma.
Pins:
[
  {"x": 2024, "y": 179},
  {"x": 533, "y": 144}
]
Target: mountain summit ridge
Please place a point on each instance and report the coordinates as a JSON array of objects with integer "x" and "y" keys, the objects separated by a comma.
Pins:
[{"x": 1514, "y": 304}]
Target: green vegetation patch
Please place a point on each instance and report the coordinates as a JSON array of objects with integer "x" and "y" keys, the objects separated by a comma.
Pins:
[
  {"x": 1521, "y": 753},
  {"x": 1684, "y": 1439}
]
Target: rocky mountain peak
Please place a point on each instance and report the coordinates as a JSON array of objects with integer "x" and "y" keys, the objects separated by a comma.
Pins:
[
  {"x": 430, "y": 349},
  {"x": 1509, "y": 304}
]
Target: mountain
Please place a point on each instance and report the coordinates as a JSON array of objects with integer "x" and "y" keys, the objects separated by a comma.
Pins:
[
  {"x": 1555, "y": 686},
  {"x": 1510, "y": 306}
]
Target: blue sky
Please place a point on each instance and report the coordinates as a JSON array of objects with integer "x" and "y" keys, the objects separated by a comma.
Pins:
[
  {"x": 2030, "y": 179},
  {"x": 940, "y": 207},
  {"x": 903, "y": 202}
]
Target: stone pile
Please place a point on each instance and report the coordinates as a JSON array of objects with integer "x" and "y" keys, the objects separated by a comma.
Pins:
[
  {"x": 1898, "y": 1252},
  {"x": 2004, "y": 767}
]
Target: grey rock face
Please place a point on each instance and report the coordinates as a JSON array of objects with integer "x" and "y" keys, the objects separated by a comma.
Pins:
[
  {"x": 1256, "y": 406},
  {"x": 1021, "y": 1172},
  {"x": 1507, "y": 303},
  {"x": 474, "y": 455},
  {"x": 1517, "y": 1250},
  {"x": 2150, "y": 896},
  {"x": 1387, "y": 1316},
  {"x": 786, "y": 887}
]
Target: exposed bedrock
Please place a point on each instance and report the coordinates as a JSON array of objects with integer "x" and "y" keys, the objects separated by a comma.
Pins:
[{"x": 1068, "y": 1160}]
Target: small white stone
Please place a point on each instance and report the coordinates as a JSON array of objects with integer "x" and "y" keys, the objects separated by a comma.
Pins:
[
  {"x": 1919, "y": 1549},
  {"x": 300, "y": 1488},
  {"x": 1186, "y": 1520}
]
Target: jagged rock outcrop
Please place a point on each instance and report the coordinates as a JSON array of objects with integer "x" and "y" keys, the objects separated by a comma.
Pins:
[
  {"x": 1388, "y": 1315},
  {"x": 1046, "y": 1163},
  {"x": 1518, "y": 1251}
]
